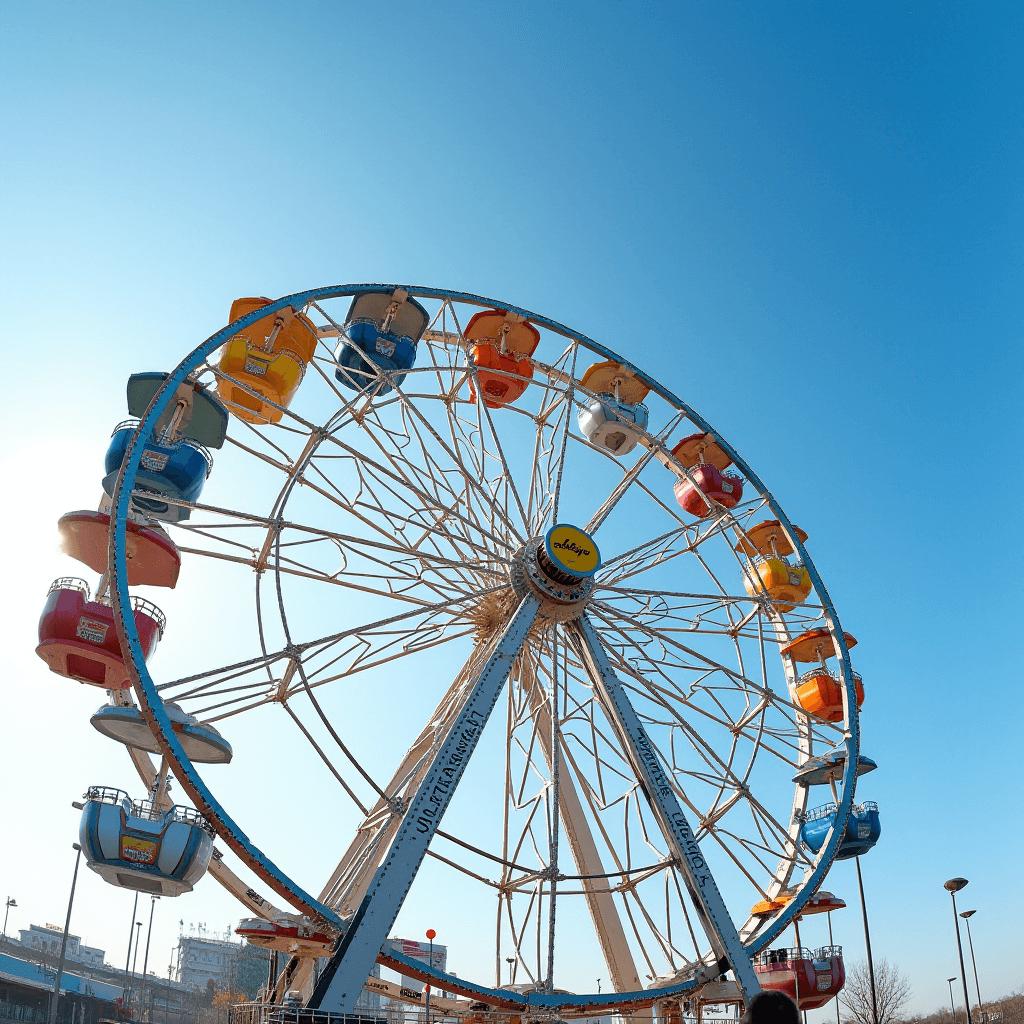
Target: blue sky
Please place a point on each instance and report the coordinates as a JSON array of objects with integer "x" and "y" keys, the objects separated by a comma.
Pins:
[{"x": 806, "y": 219}]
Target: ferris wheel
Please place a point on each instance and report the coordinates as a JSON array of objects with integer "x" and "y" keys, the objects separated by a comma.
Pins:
[{"x": 431, "y": 491}]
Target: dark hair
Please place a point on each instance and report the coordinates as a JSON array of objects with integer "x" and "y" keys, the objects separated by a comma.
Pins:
[{"x": 769, "y": 1007}]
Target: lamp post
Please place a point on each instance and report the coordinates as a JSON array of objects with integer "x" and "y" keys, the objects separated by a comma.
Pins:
[
  {"x": 431, "y": 935},
  {"x": 135, "y": 961},
  {"x": 145, "y": 959},
  {"x": 10, "y": 903},
  {"x": 55, "y": 998},
  {"x": 954, "y": 885},
  {"x": 952, "y": 1008},
  {"x": 867, "y": 944},
  {"x": 831, "y": 942},
  {"x": 510, "y": 960},
  {"x": 967, "y": 915},
  {"x": 128, "y": 958}
]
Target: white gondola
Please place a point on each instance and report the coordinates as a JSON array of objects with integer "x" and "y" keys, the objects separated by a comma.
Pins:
[
  {"x": 134, "y": 845},
  {"x": 203, "y": 744},
  {"x": 608, "y": 420}
]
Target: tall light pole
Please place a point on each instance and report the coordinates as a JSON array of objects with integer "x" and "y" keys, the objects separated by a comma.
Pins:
[
  {"x": 431, "y": 935},
  {"x": 10, "y": 903},
  {"x": 135, "y": 962},
  {"x": 967, "y": 915},
  {"x": 867, "y": 944},
  {"x": 831, "y": 942},
  {"x": 128, "y": 958},
  {"x": 55, "y": 998},
  {"x": 954, "y": 885},
  {"x": 145, "y": 959},
  {"x": 952, "y": 1008}
]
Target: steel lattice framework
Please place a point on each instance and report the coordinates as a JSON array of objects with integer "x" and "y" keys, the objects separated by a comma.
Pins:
[{"x": 649, "y": 732}]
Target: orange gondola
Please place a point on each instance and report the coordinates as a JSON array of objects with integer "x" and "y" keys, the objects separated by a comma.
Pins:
[
  {"x": 820, "y": 691},
  {"x": 502, "y": 345}
]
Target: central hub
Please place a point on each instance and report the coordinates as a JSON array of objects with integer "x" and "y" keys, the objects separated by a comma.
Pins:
[{"x": 559, "y": 568}]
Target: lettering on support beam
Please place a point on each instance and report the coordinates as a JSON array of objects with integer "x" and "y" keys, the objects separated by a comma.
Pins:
[
  {"x": 439, "y": 795},
  {"x": 659, "y": 782}
]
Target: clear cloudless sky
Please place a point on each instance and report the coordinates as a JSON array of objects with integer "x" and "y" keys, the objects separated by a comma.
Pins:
[{"x": 806, "y": 219}]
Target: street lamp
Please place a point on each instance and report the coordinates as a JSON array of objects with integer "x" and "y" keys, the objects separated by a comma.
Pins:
[
  {"x": 135, "y": 963},
  {"x": 10, "y": 903},
  {"x": 952, "y": 1009},
  {"x": 954, "y": 885},
  {"x": 431, "y": 935},
  {"x": 145, "y": 959},
  {"x": 867, "y": 944},
  {"x": 54, "y": 999},
  {"x": 128, "y": 958},
  {"x": 510, "y": 960},
  {"x": 966, "y": 915}
]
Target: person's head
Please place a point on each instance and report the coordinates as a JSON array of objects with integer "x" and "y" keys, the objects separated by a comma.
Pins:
[{"x": 771, "y": 1008}]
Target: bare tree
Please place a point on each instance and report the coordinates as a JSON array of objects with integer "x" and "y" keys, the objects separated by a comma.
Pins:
[{"x": 891, "y": 989}]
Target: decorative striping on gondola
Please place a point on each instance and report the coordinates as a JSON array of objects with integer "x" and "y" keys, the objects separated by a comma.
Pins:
[{"x": 136, "y": 845}]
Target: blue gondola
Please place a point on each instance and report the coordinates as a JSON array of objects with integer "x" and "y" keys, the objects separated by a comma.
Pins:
[
  {"x": 177, "y": 469},
  {"x": 862, "y": 830},
  {"x": 382, "y": 333},
  {"x": 606, "y": 423},
  {"x": 135, "y": 846}
]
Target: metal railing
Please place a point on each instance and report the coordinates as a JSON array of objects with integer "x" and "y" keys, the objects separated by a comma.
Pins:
[
  {"x": 129, "y": 424},
  {"x": 154, "y": 445},
  {"x": 785, "y": 956},
  {"x": 146, "y": 809},
  {"x": 70, "y": 583},
  {"x": 140, "y": 604},
  {"x": 106, "y": 795},
  {"x": 392, "y": 1013},
  {"x": 827, "y": 952},
  {"x": 782, "y": 956},
  {"x": 829, "y": 810},
  {"x": 819, "y": 671}
]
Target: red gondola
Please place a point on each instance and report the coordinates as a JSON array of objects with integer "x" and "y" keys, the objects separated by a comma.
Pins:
[{"x": 77, "y": 638}]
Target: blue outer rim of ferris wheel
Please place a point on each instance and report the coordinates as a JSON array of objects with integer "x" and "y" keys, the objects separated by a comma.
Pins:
[{"x": 156, "y": 717}]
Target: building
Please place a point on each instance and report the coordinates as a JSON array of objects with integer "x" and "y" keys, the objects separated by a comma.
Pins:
[
  {"x": 25, "y": 990},
  {"x": 201, "y": 960},
  {"x": 48, "y": 939}
]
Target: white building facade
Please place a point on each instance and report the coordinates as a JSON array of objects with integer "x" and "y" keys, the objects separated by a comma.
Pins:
[{"x": 47, "y": 939}]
